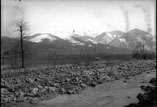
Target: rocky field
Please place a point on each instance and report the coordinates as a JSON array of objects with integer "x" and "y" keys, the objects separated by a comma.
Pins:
[
  {"x": 34, "y": 84},
  {"x": 147, "y": 99}
]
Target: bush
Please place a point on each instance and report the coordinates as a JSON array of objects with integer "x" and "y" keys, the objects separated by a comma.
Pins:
[{"x": 146, "y": 55}]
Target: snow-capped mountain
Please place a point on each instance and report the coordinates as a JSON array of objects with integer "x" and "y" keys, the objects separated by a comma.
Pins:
[
  {"x": 70, "y": 38},
  {"x": 137, "y": 33},
  {"x": 118, "y": 39},
  {"x": 87, "y": 39},
  {"x": 74, "y": 39},
  {"x": 115, "y": 42},
  {"x": 107, "y": 37},
  {"x": 40, "y": 37},
  {"x": 92, "y": 41},
  {"x": 119, "y": 42},
  {"x": 134, "y": 38}
]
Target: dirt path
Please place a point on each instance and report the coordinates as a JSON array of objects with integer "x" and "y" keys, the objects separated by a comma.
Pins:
[{"x": 112, "y": 94}]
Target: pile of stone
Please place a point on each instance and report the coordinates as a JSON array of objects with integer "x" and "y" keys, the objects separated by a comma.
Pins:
[
  {"x": 32, "y": 85},
  {"x": 148, "y": 99}
]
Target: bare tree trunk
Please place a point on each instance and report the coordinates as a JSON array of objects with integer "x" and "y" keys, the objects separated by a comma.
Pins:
[
  {"x": 94, "y": 50},
  {"x": 15, "y": 57},
  {"x": 22, "y": 50},
  {"x": 3, "y": 60},
  {"x": 21, "y": 27}
]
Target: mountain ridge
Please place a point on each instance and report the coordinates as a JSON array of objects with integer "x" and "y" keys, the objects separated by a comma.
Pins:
[{"x": 78, "y": 44}]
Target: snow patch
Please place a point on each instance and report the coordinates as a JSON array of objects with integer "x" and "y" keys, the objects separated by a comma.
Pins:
[
  {"x": 39, "y": 38},
  {"x": 122, "y": 40},
  {"x": 111, "y": 36},
  {"x": 108, "y": 38},
  {"x": 114, "y": 36},
  {"x": 76, "y": 42},
  {"x": 89, "y": 45},
  {"x": 149, "y": 35},
  {"x": 72, "y": 40},
  {"x": 139, "y": 39},
  {"x": 94, "y": 42}
]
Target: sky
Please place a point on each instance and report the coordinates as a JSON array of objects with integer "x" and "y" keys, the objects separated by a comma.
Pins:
[{"x": 82, "y": 16}]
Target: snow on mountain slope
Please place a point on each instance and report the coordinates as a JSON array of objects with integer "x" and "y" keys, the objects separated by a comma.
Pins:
[
  {"x": 122, "y": 40},
  {"x": 107, "y": 37},
  {"x": 94, "y": 42},
  {"x": 118, "y": 39},
  {"x": 40, "y": 37},
  {"x": 63, "y": 35},
  {"x": 76, "y": 42},
  {"x": 110, "y": 35},
  {"x": 133, "y": 38},
  {"x": 119, "y": 42},
  {"x": 103, "y": 38},
  {"x": 139, "y": 39},
  {"x": 71, "y": 38}
]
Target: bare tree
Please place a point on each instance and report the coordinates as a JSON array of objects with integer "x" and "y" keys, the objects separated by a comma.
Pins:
[
  {"x": 21, "y": 28},
  {"x": 143, "y": 44},
  {"x": 140, "y": 48}
]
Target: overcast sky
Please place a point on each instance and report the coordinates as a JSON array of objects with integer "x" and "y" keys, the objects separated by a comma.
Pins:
[{"x": 50, "y": 16}]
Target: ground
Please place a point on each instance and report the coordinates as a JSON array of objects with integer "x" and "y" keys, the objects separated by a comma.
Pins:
[{"x": 116, "y": 93}]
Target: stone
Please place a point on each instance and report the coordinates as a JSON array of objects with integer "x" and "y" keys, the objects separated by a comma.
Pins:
[
  {"x": 6, "y": 99},
  {"x": 3, "y": 90},
  {"x": 74, "y": 78},
  {"x": 40, "y": 87},
  {"x": 56, "y": 84},
  {"x": 43, "y": 90},
  {"x": 83, "y": 85},
  {"x": 124, "y": 81},
  {"x": 69, "y": 92},
  {"x": 52, "y": 89},
  {"x": 35, "y": 90},
  {"x": 30, "y": 80},
  {"x": 67, "y": 79},
  {"x": 34, "y": 100},
  {"x": 36, "y": 79},
  {"x": 93, "y": 84},
  {"x": 21, "y": 94},
  {"x": 153, "y": 81},
  {"x": 63, "y": 91}
]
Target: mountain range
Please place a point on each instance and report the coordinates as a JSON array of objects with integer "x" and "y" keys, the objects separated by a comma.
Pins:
[{"x": 114, "y": 42}]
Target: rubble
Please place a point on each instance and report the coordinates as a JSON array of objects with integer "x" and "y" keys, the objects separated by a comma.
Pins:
[
  {"x": 147, "y": 99},
  {"x": 34, "y": 84}
]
